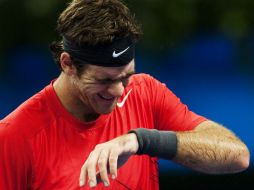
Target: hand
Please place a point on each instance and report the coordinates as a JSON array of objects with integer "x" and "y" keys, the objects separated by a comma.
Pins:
[{"x": 108, "y": 156}]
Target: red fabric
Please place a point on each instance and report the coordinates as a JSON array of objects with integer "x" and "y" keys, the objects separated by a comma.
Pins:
[{"x": 43, "y": 147}]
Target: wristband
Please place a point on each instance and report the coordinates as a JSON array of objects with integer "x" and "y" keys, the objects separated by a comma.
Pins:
[{"x": 162, "y": 144}]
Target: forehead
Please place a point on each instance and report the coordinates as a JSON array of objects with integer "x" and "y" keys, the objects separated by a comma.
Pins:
[{"x": 110, "y": 72}]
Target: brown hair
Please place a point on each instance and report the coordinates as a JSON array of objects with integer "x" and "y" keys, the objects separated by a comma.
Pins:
[{"x": 93, "y": 22}]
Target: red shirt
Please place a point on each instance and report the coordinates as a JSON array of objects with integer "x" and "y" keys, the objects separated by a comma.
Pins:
[{"x": 42, "y": 146}]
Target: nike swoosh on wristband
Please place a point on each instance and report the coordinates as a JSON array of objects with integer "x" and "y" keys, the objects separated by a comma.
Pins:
[
  {"x": 120, "y": 104},
  {"x": 115, "y": 55}
]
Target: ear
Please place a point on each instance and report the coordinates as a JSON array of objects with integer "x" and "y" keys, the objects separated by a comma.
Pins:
[{"x": 67, "y": 64}]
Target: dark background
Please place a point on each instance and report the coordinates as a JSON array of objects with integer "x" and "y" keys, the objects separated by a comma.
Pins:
[{"x": 202, "y": 49}]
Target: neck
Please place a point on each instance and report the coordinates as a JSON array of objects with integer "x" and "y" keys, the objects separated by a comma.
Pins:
[{"x": 71, "y": 101}]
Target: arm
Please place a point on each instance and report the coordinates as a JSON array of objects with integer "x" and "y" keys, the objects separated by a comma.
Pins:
[
  {"x": 211, "y": 148},
  {"x": 202, "y": 145},
  {"x": 229, "y": 153}
]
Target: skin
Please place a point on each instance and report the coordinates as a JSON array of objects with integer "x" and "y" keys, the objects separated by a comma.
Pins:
[
  {"x": 209, "y": 148},
  {"x": 95, "y": 92},
  {"x": 213, "y": 149},
  {"x": 108, "y": 157}
]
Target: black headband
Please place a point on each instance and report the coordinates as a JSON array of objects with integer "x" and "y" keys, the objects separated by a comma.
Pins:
[{"x": 117, "y": 53}]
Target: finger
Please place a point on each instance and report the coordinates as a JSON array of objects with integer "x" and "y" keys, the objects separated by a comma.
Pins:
[
  {"x": 82, "y": 176},
  {"x": 102, "y": 165},
  {"x": 91, "y": 168},
  {"x": 113, "y": 157}
]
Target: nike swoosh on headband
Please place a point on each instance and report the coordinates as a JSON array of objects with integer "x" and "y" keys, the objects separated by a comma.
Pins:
[
  {"x": 115, "y": 55},
  {"x": 120, "y": 104}
]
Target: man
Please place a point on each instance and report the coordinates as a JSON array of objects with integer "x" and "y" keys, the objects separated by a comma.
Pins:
[{"x": 101, "y": 125}]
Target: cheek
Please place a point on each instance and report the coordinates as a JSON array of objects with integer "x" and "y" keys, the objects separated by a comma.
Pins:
[
  {"x": 78, "y": 88},
  {"x": 90, "y": 90},
  {"x": 86, "y": 89}
]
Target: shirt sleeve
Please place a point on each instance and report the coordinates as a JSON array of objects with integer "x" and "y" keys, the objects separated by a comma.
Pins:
[
  {"x": 168, "y": 110},
  {"x": 15, "y": 165}
]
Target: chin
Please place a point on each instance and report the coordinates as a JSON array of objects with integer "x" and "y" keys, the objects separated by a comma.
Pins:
[{"x": 106, "y": 110}]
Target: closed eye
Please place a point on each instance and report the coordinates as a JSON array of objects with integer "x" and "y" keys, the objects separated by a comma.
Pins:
[{"x": 109, "y": 81}]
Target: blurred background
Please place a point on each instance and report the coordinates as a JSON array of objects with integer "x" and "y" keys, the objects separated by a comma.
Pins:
[{"x": 202, "y": 49}]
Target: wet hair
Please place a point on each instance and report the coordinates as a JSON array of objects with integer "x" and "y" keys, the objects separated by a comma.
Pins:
[{"x": 93, "y": 22}]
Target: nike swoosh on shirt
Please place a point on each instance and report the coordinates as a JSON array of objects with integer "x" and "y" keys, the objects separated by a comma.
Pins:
[
  {"x": 115, "y": 55},
  {"x": 120, "y": 104}
]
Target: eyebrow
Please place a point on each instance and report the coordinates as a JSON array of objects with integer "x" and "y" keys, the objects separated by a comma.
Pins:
[{"x": 120, "y": 78}]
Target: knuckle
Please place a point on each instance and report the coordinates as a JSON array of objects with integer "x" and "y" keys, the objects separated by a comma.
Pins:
[
  {"x": 83, "y": 167},
  {"x": 103, "y": 171},
  {"x": 112, "y": 167},
  {"x": 98, "y": 146},
  {"x": 88, "y": 163},
  {"x": 112, "y": 159},
  {"x": 90, "y": 170},
  {"x": 90, "y": 167},
  {"x": 101, "y": 163},
  {"x": 90, "y": 155}
]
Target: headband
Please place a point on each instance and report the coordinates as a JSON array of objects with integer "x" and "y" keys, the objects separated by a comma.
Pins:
[{"x": 117, "y": 53}]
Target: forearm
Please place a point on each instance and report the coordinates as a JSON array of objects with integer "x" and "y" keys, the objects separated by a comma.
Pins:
[{"x": 211, "y": 148}]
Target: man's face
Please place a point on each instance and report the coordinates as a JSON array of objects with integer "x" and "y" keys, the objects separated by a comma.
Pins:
[{"x": 99, "y": 88}]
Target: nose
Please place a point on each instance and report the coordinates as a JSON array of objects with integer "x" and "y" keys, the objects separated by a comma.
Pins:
[{"x": 116, "y": 89}]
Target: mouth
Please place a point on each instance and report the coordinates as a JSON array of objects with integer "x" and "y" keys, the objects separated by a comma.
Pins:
[{"x": 106, "y": 98}]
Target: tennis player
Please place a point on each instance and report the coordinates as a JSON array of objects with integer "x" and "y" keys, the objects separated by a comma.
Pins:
[{"x": 99, "y": 124}]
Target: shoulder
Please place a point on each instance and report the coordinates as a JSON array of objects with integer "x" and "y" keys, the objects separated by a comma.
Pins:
[
  {"x": 144, "y": 80},
  {"x": 26, "y": 117},
  {"x": 15, "y": 156},
  {"x": 141, "y": 77},
  {"x": 144, "y": 89},
  {"x": 146, "y": 84}
]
